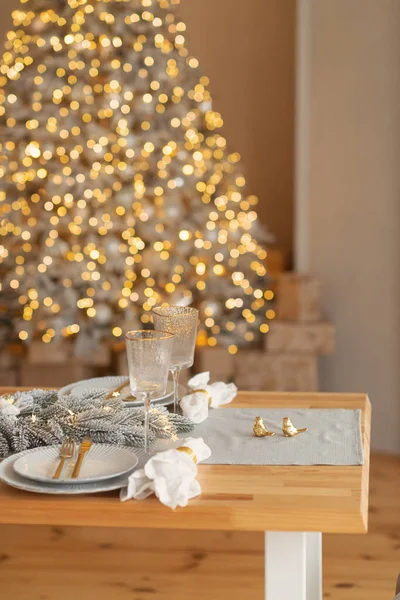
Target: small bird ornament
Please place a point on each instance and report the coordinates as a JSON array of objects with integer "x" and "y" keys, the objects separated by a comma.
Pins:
[
  {"x": 259, "y": 428},
  {"x": 289, "y": 430}
]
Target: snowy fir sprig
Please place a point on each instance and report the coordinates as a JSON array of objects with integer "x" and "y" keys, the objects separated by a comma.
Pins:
[{"x": 41, "y": 417}]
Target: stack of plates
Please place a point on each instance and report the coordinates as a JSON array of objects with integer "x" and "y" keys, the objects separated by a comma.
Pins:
[
  {"x": 105, "y": 467},
  {"x": 112, "y": 383}
]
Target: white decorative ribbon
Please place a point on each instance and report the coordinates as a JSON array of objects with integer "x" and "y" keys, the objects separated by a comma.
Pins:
[
  {"x": 170, "y": 475},
  {"x": 204, "y": 395}
]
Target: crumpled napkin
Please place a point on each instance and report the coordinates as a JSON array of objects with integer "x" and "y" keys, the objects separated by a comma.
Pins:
[
  {"x": 170, "y": 475},
  {"x": 204, "y": 395}
]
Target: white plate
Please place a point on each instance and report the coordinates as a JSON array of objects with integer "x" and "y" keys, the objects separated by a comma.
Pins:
[
  {"x": 111, "y": 383},
  {"x": 10, "y": 477},
  {"x": 103, "y": 461}
]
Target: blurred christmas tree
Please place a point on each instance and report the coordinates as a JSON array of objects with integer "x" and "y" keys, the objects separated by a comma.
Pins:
[{"x": 117, "y": 190}]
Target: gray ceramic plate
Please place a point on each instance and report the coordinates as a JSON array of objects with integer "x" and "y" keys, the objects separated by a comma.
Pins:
[
  {"x": 103, "y": 461},
  {"x": 113, "y": 382},
  {"x": 10, "y": 477}
]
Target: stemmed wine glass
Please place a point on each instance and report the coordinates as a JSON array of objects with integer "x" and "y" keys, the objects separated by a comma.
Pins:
[
  {"x": 182, "y": 321},
  {"x": 149, "y": 359}
]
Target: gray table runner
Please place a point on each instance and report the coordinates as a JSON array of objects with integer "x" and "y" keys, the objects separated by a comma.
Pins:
[{"x": 333, "y": 437}]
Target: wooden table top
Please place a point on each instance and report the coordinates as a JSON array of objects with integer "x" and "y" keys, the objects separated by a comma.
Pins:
[{"x": 330, "y": 499}]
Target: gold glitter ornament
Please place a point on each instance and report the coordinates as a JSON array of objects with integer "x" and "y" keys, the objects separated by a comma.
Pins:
[
  {"x": 260, "y": 430},
  {"x": 289, "y": 430}
]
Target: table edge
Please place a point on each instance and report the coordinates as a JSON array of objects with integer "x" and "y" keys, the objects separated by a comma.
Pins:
[{"x": 359, "y": 521}]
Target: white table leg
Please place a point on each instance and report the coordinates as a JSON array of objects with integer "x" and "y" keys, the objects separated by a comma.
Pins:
[
  {"x": 293, "y": 566},
  {"x": 314, "y": 565}
]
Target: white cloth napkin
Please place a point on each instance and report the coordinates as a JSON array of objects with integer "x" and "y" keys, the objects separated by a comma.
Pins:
[
  {"x": 170, "y": 475},
  {"x": 203, "y": 395},
  {"x": 7, "y": 409}
]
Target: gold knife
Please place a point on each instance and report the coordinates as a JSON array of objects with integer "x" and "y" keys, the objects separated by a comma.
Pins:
[
  {"x": 85, "y": 447},
  {"x": 117, "y": 391}
]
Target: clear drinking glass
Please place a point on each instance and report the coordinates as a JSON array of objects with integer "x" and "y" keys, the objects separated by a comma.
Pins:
[
  {"x": 149, "y": 359},
  {"x": 182, "y": 321}
]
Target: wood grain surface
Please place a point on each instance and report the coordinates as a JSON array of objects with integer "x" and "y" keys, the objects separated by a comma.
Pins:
[
  {"x": 331, "y": 499},
  {"x": 64, "y": 563}
]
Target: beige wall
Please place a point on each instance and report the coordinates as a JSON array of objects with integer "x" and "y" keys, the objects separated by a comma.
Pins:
[
  {"x": 247, "y": 50},
  {"x": 355, "y": 198}
]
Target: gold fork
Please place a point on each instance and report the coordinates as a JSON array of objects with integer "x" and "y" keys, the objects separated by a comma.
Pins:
[
  {"x": 66, "y": 451},
  {"x": 85, "y": 447},
  {"x": 117, "y": 391}
]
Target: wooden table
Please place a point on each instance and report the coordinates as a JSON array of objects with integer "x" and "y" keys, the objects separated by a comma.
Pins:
[{"x": 294, "y": 505}]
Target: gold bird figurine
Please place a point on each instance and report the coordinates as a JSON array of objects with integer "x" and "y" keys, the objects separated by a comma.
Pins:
[
  {"x": 259, "y": 428},
  {"x": 289, "y": 430}
]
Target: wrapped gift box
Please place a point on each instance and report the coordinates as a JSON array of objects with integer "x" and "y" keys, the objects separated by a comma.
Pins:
[
  {"x": 299, "y": 337},
  {"x": 54, "y": 376},
  {"x": 9, "y": 378},
  {"x": 122, "y": 363},
  {"x": 56, "y": 352},
  {"x": 277, "y": 372},
  {"x": 8, "y": 360},
  {"x": 298, "y": 298},
  {"x": 100, "y": 357},
  {"x": 275, "y": 261},
  {"x": 216, "y": 360}
]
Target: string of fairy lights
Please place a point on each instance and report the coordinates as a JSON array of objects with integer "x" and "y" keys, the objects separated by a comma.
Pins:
[{"x": 117, "y": 190}]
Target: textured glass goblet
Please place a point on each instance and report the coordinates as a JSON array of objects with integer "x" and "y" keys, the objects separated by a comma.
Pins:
[
  {"x": 149, "y": 359},
  {"x": 182, "y": 321}
]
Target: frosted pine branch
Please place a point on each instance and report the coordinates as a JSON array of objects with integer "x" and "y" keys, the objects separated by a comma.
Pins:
[{"x": 45, "y": 419}]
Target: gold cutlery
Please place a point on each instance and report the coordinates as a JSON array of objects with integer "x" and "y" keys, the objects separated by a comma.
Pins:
[
  {"x": 84, "y": 448},
  {"x": 66, "y": 451},
  {"x": 129, "y": 399},
  {"x": 117, "y": 391}
]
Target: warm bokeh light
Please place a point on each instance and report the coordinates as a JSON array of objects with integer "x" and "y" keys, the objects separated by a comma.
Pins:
[{"x": 118, "y": 191}]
